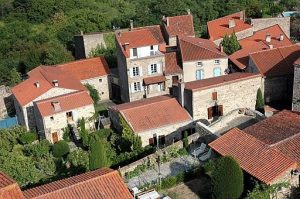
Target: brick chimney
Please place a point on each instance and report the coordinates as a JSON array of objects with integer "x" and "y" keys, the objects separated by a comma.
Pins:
[
  {"x": 131, "y": 24},
  {"x": 268, "y": 38},
  {"x": 231, "y": 23},
  {"x": 181, "y": 86}
]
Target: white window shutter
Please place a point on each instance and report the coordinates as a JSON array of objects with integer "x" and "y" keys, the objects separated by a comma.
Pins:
[
  {"x": 132, "y": 87},
  {"x": 158, "y": 68},
  {"x": 141, "y": 71},
  {"x": 131, "y": 72},
  {"x": 142, "y": 87},
  {"x": 149, "y": 69}
]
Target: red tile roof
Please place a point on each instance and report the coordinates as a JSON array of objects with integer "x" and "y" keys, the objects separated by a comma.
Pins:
[
  {"x": 172, "y": 65},
  {"x": 101, "y": 184},
  {"x": 153, "y": 113},
  {"x": 219, "y": 81},
  {"x": 276, "y": 62},
  {"x": 193, "y": 49},
  {"x": 254, "y": 156},
  {"x": 218, "y": 28},
  {"x": 26, "y": 91},
  {"x": 86, "y": 68},
  {"x": 66, "y": 102},
  {"x": 180, "y": 25},
  {"x": 9, "y": 189},
  {"x": 140, "y": 37},
  {"x": 154, "y": 80},
  {"x": 256, "y": 43}
]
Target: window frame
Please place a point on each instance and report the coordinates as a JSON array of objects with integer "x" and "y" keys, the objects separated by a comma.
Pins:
[
  {"x": 215, "y": 69},
  {"x": 137, "y": 86},
  {"x": 135, "y": 71},
  {"x": 201, "y": 74},
  {"x": 199, "y": 64},
  {"x": 134, "y": 52},
  {"x": 153, "y": 68},
  {"x": 217, "y": 62}
]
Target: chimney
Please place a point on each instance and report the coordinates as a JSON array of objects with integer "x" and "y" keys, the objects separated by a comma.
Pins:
[
  {"x": 125, "y": 46},
  {"x": 181, "y": 86},
  {"x": 242, "y": 15},
  {"x": 281, "y": 37},
  {"x": 131, "y": 24},
  {"x": 167, "y": 19},
  {"x": 37, "y": 84},
  {"x": 221, "y": 48},
  {"x": 188, "y": 11},
  {"x": 268, "y": 38},
  {"x": 231, "y": 23},
  {"x": 271, "y": 46},
  {"x": 55, "y": 83},
  {"x": 56, "y": 106}
]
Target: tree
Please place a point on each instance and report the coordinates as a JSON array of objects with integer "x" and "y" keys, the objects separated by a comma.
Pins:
[
  {"x": 227, "y": 179},
  {"x": 60, "y": 149},
  {"x": 15, "y": 77},
  {"x": 27, "y": 138},
  {"x": 230, "y": 44},
  {"x": 79, "y": 159},
  {"x": 83, "y": 133},
  {"x": 265, "y": 191},
  {"x": 260, "y": 102},
  {"x": 98, "y": 155},
  {"x": 93, "y": 93}
]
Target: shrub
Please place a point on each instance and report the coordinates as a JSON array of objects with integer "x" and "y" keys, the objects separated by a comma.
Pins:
[
  {"x": 98, "y": 156},
  {"x": 227, "y": 179},
  {"x": 260, "y": 103},
  {"x": 169, "y": 182},
  {"x": 40, "y": 149},
  {"x": 230, "y": 44},
  {"x": 60, "y": 149},
  {"x": 79, "y": 159},
  {"x": 93, "y": 93},
  {"x": 27, "y": 138}
]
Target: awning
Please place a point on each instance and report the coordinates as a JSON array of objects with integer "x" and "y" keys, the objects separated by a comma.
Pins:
[{"x": 154, "y": 80}]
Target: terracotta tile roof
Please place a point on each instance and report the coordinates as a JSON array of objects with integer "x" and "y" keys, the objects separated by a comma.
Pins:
[
  {"x": 153, "y": 113},
  {"x": 86, "y": 68},
  {"x": 219, "y": 81},
  {"x": 101, "y": 184},
  {"x": 66, "y": 102},
  {"x": 172, "y": 65},
  {"x": 193, "y": 49},
  {"x": 257, "y": 43},
  {"x": 139, "y": 37},
  {"x": 154, "y": 80},
  {"x": 254, "y": 156},
  {"x": 276, "y": 62},
  {"x": 218, "y": 28},
  {"x": 9, "y": 189},
  {"x": 26, "y": 91},
  {"x": 180, "y": 25}
]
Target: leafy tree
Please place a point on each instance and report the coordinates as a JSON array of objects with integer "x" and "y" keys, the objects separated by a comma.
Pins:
[
  {"x": 60, "y": 149},
  {"x": 9, "y": 137},
  {"x": 93, "y": 93},
  {"x": 79, "y": 159},
  {"x": 27, "y": 138},
  {"x": 260, "y": 102},
  {"x": 98, "y": 155},
  {"x": 227, "y": 179},
  {"x": 46, "y": 165},
  {"x": 15, "y": 77},
  {"x": 230, "y": 44},
  {"x": 38, "y": 150},
  {"x": 55, "y": 53},
  {"x": 264, "y": 191}
]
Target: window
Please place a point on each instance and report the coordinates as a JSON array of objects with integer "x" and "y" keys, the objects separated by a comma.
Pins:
[
  {"x": 51, "y": 118},
  {"x": 199, "y": 74},
  {"x": 217, "y": 72},
  {"x": 135, "y": 71},
  {"x": 137, "y": 86},
  {"x": 217, "y": 61},
  {"x": 151, "y": 47},
  {"x": 152, "y": 50},
  {"x": 214, "y": 96},
  {"x": 134, "y": 52},
  {"x": 100, "y": 80},
  {"x": 153, "y": 68},
  {"x": 199, "y": 64}
]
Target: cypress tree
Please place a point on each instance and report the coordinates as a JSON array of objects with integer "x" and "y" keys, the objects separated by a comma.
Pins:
[
  {"x": 260, "y": 102},
  {"x": 98, "y": 155}
]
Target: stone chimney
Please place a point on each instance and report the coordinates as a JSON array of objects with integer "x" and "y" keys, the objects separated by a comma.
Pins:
[
  {"x": 188, "y": 11},
  {"x": 242, "y": 15},
  {"x": 231, "y": 23},
  {"x": 281, "y": 37},
  {"x": 271, "y": 46},
  {"x": 131, "y": 24},
  {"x": 268, "y": 38},
  {"x": 221, "y": 48},
  {"x": 181, "y": 86},
  {"x": 125, "y": 46},
  {"x": 55, "y": 83},
  {"x": 37, "y": 84}
]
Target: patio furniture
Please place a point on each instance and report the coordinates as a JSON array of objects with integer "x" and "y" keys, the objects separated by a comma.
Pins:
[
  {"x": 205, "y": 156},
  {"x": 199, "y": 150}
]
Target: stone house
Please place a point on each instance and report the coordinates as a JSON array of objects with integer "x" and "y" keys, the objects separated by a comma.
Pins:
[
  {"x": 267, "y": 150},
  {"x": 6, "y": 104},
  {"x": 157, "y": 120},
  {"x": 296, "y": 87},
  {"x": 211, "y": 98},
  {"x": 54, "y": 114},
  {"x": 277, "y": 70}
]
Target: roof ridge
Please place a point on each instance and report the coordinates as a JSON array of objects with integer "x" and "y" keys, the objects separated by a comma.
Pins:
[
  {"x": 180, "y": 16},
  {"x": 150, "y": 103},
  {"x": 226, "y": 16},
  {"x": 79, "y": 60},
  {"x": 285, "y": 140},
  {"x": 61, "y": 96}
]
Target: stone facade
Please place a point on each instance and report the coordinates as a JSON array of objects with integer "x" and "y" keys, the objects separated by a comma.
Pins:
[
  {"x": 283, "y": 22},
  {"x": 296, "y": 91},
  {"x": 57, "y": 122},
  {"x": 239, "y": 94},
  {"x": 240, "y": 35},
  {"x": 208, "y": 66},
  {"x": 101, "y": 84},
  {"x": 6, "y": 104}
]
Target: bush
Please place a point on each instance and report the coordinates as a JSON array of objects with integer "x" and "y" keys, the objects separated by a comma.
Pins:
[
  {"x": 40, "y": 149},
  {"x": 79, "y": 159},
  {"x": 227, "y": 179},
  {"x": 60, "y": 149},
  {"x": 93, "y": 93},
  {"x": 169, "y": 182},
  {"x": 27, "y": 138},
  {"x": 260, "y": 102},
  {"x": 98, "y": 155}
]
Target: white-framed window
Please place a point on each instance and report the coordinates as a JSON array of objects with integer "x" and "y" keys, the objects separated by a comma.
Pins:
[
  {"x": 135, "y": 71},
  {"x": 136, "y": 86},
  {"x": 199, "y": 74},
  {"x": 199, "y": 64},
  {"x": 217, "y": 71},
  {"x": 153, "y": 68},
  {"x": 152, "y": 50},
  {"x": 217, "y": 62},
  {"x": 134, "y": 52}
]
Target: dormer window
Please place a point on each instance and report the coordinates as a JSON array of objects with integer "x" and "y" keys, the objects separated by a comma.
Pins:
[
  {"x": 56, "y": 105},
  {"x": 134, "y": 52},
  {"x": 55, "y": 83}
]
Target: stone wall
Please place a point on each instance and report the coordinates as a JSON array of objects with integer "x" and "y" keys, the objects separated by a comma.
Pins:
[
  {"x": 283, "y": 22},
  {"x": 240, "y": 35},
  {"x": 296, "y": 90},
  {"x": 239, "y": 94},
  {"x": 6, "y": 102},
  {"x": 101, "y": 84}
]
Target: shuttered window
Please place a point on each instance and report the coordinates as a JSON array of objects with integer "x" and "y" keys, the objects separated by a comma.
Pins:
[
  {"x": 210, "y": 112},
  {"x": 214, "y": 96}
]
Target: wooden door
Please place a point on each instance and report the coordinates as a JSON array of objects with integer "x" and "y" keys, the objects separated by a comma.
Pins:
[
  {"x": 210, "y": 112},
  {"x": 220, "y": 109},
  {"x": 54, "y": 137}
]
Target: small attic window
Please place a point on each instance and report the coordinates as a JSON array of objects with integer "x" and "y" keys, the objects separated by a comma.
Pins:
[
  {"x": 55, "y": 83},
  {"x": 56, "y": 106},
  {"x": 37, "y": 84}
]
